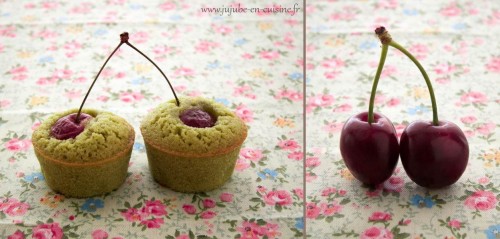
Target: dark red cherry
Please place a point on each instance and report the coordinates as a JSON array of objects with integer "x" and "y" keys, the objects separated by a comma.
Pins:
[
  {"x": 434, "y": 156},
  {"x": 197, "y": 118},
  {"x": 67, "y": 128},
  {"x": 370, "y": 151}
]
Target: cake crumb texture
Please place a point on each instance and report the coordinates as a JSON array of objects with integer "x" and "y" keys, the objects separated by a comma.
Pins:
[
  {"x": 104, "y": 136},
  {"x": 163, "y": 128}
]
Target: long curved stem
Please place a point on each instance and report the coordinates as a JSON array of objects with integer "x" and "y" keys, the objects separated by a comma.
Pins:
[
  {"x": 123, "y": 39},
  {"x": 375, "y": 82},
  {"x": 93, "y": 82},
  {"x": 435, "y": 120},
  {"x": 144, "y": 55}
]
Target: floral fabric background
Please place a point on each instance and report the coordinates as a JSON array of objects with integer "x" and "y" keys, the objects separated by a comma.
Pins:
[
  {"x": 50, "y": 52},
  {"x": 457, "y": 43}
]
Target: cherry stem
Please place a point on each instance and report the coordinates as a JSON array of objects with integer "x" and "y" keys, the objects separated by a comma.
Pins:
[
  {"x": 375, "y": 82},
  {"x": 77, "y": 119},
  {"x": 435, "y": 120},
  {"x": 123, "y": 39},
  {"x": 171, "y": 87}
]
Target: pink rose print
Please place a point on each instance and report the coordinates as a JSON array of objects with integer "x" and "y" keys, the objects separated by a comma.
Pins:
[
  {"x": 183, "y": 71},
  {"x": 333, "y": 63},
  {"x": 297, "y": 155},
  {"x": 18, "y": 70},
  {"x": 269, "y": 55},
  {"x": 206, "y": 46},
  {"x": 444, "y": 68},
  {"x": 99, "y": 234},
  {"x": 420, "y": 51},
  {"x": 328, "y": 191},
  {"x": 322, "y": 100},
  {"x": 376, "y": 233},
  {"x": 131, "y": 97},
  {"x": 166, "y": 6},
  {"x": 451, "y": 10},
  {"x": 250, "y": 230},
  {"x": 483, "y": 180},
  {"x": 388, "y": 4},
  {"x": 17, "y": 235},
  {"x": 244, "y": 113},
  {"x": 73, "y": 94},
  {"x": 312, "y": 162},
  {"x": 208, "y": 203},
  {"x": 241, "y": 164},
  {"x": 455, "y": 224},
  {"x": 393, "y": 102},
  {"x": 4, "y": 103},
  {"x": 312, "y": 210},
  {"x": 222, "y": 29},
  {"x": 333, "y": 127},
  {"x": 156, "y": 208},
  {"x": 380, "y": 216},
  {"x": 278, "y": 197},
  {"x": 481, "y": 200},
  {"x": 189, "y": 209},
  {"x": 139, "y": 37},
  {"x": 17, "y": 209},
  {"x": 468, "y": 119},
  {"x": 473, "y": 97},
  {"x": 394, "y": 184},
  {"x": 153, "y": 223},
  {"x": 289, "y": 95},
  {"x": 62, "y": 74},
  {"x": 48, "y": 231},
  {"x": 208, "y": 214},
  {"x": 494, "y": 65},
  {"x": 299, "y": 192},
  {"x": 330, "y": 209},
  {"x": 486, "y": 129},
  {"x": 343, "y": 108},
  {"x": 331, "y": 74},
  {"x": 254, "y": 155},
  {"x": 389, "y": 70},
  {"x": 8, "y": 31},
  {"x": 19, "y": 73},
  {"x": 288, "y": 144},
  {"x": 16, "y": 145},
  {"x": 226, "y": 197},
  {"x": 134, "y": 215},
  {"x": 183, "y": 236}
]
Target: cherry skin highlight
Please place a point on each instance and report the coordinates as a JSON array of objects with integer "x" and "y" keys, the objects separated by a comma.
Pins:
[
  {"x": 370, "y": 151},
  {"x": 197, "y": 118},
  {"x": 67, "y": 127},
  {"x": 434, "y": 156}
]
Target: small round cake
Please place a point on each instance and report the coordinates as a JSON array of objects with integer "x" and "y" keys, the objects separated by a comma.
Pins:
[
  {"x": 92, "y": 162},
  {"x": 192, "y": 159}
]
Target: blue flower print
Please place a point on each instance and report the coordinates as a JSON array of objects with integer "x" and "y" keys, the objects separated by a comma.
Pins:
[
  {"x": 267, "y": 173},
  {"x": 295, "y": 76},
  {"x": 493, "y": 232},
  {"x": 421, "y": 202},
  {"x": 92, "y": 204},
  {"x": 299, "y": 223},
  {"x": 418, "y": 110},
  {"x": 34, "y": 177}
]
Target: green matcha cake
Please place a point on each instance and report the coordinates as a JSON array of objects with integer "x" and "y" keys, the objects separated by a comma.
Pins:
[
  {"x": 192, "y": 159},
  {"x": 93, "y": 163}
]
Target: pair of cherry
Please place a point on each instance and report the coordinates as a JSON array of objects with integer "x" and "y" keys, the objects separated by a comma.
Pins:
[
  {"x": 434, "y": 153},
  {"x": 72, "y": 125}
]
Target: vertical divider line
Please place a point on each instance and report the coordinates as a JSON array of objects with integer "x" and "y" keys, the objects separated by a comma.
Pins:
[{"x": 304, "y": 121}]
